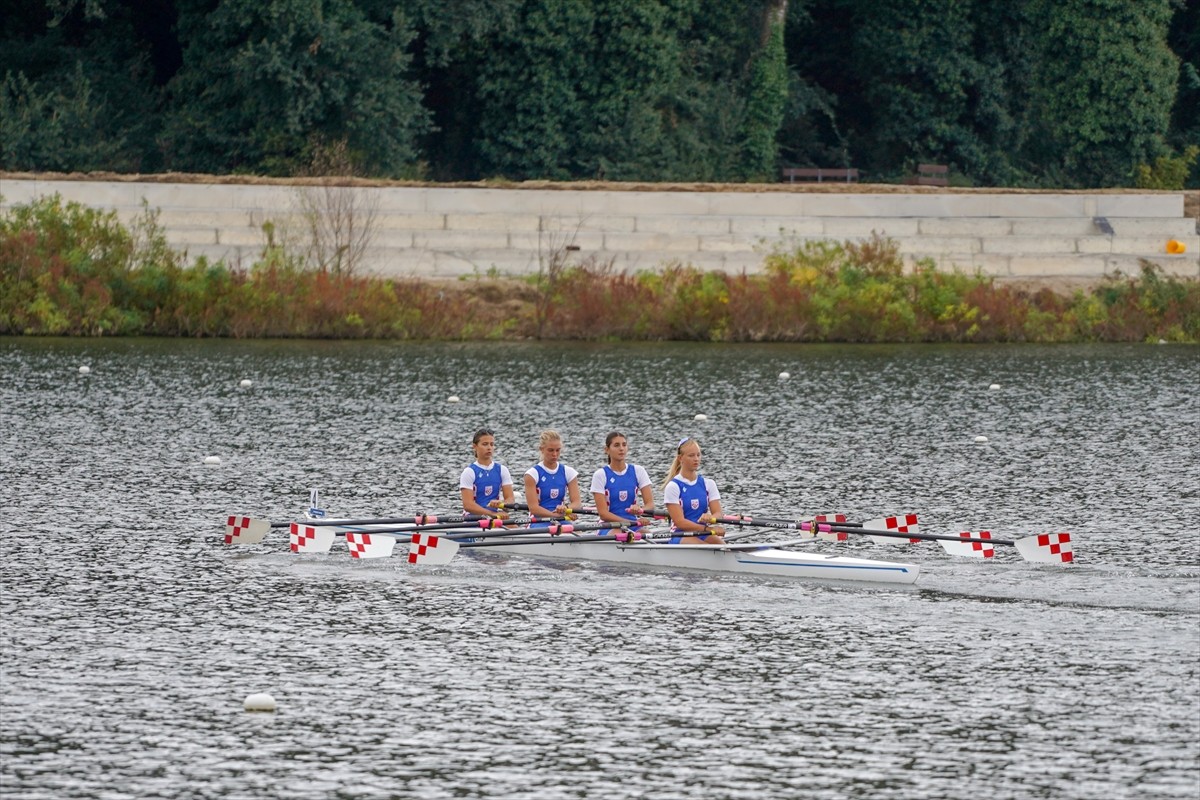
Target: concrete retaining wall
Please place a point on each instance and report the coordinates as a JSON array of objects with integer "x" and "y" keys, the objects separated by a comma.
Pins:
[{"x": 453, "y": 231}]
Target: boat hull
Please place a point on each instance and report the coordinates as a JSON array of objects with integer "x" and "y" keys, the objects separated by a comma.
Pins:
[{"x": 759, "y": 561}]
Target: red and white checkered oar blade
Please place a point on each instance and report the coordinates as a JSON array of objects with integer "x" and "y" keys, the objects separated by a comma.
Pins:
[
  {"x": 363, "y": 544},
  {"x": 970, "y": 549},
  {"x": 245, "y": 530},
  {"x": 309, "y": 539},
  {"x": 904, "y": 523},
  {"x": 1047, "y": 548},
  {"x": 429, "y": 549},
  {"x": 831, "y": 519}
]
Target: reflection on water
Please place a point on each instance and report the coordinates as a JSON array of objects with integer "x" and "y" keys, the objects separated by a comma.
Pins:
[{"x": 130, "y": 636}]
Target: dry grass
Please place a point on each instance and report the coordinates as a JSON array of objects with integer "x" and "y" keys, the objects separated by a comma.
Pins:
[{"x": 1192, "y": 198}]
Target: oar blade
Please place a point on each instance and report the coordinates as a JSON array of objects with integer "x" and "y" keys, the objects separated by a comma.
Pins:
[
  {"x": 245, "y": 530},
  {"x": 310, "y": 538},
  {"x": 902, "y": 523},
  {"x": 970, "y": 549},
  {"x": 433, "y": 550},
  {"x": 1046, "y": 548},
  {"x": 363, "y": 544},
  {"x": 831, "y": 519}
]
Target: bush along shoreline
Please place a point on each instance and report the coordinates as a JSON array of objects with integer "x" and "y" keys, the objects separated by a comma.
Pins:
[{"x": 68, "y": 270}]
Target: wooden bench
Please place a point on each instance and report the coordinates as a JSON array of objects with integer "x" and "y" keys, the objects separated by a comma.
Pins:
[
  {"x": 930, "y": 175},
  {"x": 819, "y": 174}
]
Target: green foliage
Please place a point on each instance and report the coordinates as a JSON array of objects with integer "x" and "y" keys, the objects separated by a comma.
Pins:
[
  {"x": 765, "y": 105},
  {"x": 53, "y": 126},
  {"x": 293, "y": 72},
  {"x": 1104, "y": 87},
  {"x": 1168, "y": 171},
  {"x": 1062, "y": 93}
]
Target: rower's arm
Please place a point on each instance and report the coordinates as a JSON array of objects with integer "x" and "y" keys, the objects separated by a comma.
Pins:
[
  {"x": 682, "y": 523},
  {"x": 471, "y": 507},
  {"x": 602, "y": 508},
  {"x": 531, "y": 499},
  {"x": 573, "y": 494}
]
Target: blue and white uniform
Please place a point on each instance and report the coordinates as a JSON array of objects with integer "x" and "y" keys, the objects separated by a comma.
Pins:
[
  {"x": 485, "y": 483},
  {"x": 693, "y": 497},
  {"x": 551, "y": 485},
  {"x": 621, "y": 489}
]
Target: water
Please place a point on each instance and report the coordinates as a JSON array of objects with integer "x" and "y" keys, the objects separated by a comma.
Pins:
[{"x": 130, "y": 634}]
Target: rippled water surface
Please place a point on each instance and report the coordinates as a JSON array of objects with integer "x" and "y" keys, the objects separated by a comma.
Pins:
[{"x": 130, "y": 634}]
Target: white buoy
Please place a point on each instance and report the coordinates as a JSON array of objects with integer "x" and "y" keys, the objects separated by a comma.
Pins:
[
  {"x": 212, "y": 460},
  {"x": 246, "y": 383},
  {"x": 701, "y": 417},
  {"x": 981, "y": 439},
  {"x": 84, "y": 370},
  {"x": 783, "y": 376},
  {"x": 994, "y": 387},
  {"x": 452, "y": 398},
  {"x": 259, "y": 702},
  {"x": 1160, "y": 341}
]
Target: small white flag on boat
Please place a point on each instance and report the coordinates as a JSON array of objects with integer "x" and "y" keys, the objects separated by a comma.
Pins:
[
  {"x": 1050, "y": 548},
  {"x": 363, "y": 544},
  {"x": 970, "y": 549},
  {"x": 245, "y": 530},
  {"x": 310, "y": 539},
  {"x": 429, "y": 549}
]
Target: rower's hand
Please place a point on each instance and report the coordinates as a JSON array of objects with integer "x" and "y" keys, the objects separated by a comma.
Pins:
[
  {"x": 719, "y": 530},
  {"x": 636, "y": 509}
]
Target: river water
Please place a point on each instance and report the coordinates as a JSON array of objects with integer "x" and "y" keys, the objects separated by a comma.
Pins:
[{"x": 130, "y": 634}]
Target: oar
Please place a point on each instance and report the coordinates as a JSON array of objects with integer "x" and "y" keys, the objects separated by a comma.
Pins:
[
  {"x": 378, "y": 543},
  {"x": 903, "y": 523},
  {"x": 439, "y": 549},
  {"x": 242, "y": 529},
  {"x": 436, "y": 550},
  {"x": 1049, "y": 548}
]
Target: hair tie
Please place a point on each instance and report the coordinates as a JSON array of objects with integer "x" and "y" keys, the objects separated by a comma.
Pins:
[{"x": 682, "y": 442}]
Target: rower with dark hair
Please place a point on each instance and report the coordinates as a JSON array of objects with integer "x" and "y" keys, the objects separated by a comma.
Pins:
[
  {"x": 485, "y": 485},
  {"x": 616, "y": 485}
]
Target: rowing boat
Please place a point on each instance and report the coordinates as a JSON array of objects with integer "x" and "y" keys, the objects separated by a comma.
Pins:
[
  {"x": 436, "y": 541},
  {"x": 741, "y": 559},
  {"x": 586, "y": 543}
]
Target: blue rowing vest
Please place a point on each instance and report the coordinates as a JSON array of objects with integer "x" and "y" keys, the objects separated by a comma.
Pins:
[
  {"x": 551, "y": 486},
  {"x": 621, "y": 490},
  {"x": 487, "y": 483},
  {"x": 693, "y": 499}
]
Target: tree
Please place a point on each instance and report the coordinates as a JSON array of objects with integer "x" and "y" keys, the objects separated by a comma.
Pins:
[
  {"x": 1104, "y": 84},
  {"x": 264, "y": 84}
]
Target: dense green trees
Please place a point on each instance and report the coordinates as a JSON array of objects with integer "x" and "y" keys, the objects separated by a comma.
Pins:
[{"x": 1028, "y": 92}]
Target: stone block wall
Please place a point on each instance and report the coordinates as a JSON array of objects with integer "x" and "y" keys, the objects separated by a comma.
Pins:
[{"x": 447, "y": 232}]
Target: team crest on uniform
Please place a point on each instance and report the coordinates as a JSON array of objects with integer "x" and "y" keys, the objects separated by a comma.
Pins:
[
  {"x": 623, "y": 495},
  {"x": 695, "y": 503},
  {"x": 487, "y": 490},
  {"x": 553, "y": 494}
]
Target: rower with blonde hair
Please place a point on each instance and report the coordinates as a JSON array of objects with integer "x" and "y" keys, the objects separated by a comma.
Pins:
[
  {"x": 692, "y": 500},
  {"x": 551, "y": 488}
]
